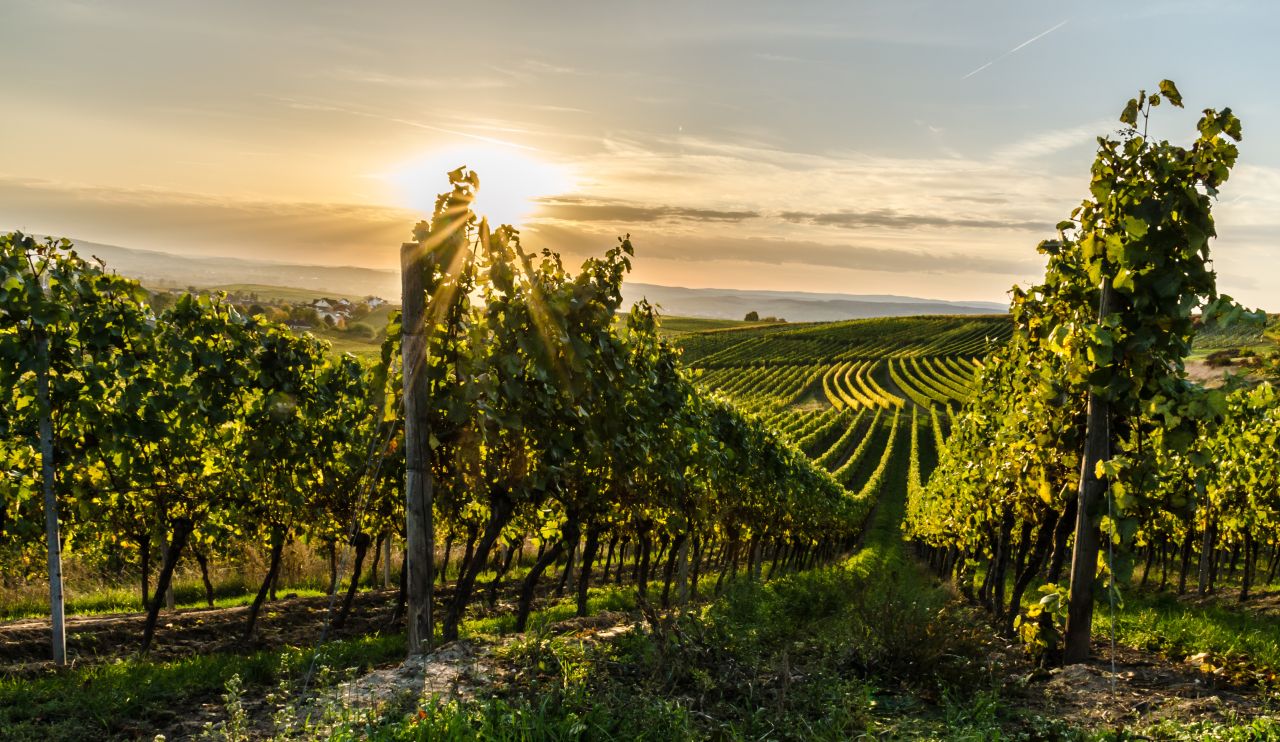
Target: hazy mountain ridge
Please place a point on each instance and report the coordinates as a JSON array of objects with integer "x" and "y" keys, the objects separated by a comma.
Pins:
[
  {"x": 795, "y": 306},
  {"x": 166, "y": 270}
]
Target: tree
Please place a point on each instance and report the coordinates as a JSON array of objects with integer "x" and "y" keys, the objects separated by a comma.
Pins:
[{"x": 752, "y": 316}]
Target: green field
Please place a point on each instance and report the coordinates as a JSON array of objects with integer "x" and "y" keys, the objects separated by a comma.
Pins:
[
  {"x": 282, "y": 293},
  {"x": 685, "y": 325},
  {"x": 1260, "y": 338}
]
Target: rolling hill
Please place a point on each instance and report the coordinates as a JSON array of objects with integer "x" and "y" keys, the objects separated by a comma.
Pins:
[{"x": 168, "y": 270}]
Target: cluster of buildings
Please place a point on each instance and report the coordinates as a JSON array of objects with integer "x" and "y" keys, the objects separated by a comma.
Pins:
[{"x": 338, "y": 312}]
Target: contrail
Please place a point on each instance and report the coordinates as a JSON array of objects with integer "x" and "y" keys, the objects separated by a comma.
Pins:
[{"x": 1028, "y": 42}]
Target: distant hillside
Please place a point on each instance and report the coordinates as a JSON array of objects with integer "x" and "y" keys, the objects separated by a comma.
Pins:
[
  {"x": 828, "y": 343},
  {"x": 166, "y": 270},
  {"x": 795, "y": 306}
]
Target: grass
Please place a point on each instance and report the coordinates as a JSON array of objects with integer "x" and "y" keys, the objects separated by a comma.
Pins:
[
  {"x": 376, "y": 320},
  {"x": 1239, "y": 642},
  {"x": 1242, "y": 644},
  {"x": 682, "y": 325},
  {"x": 135, "y": 696},
  {"x": 671, "y": 325},
  {"x": 341, "y": 342},
  {"x": 872, "y": 647},
  {"x": 86, "y": 596},
  {"x": 599, "y": 599},
  {"x": 109, "y": 600}
]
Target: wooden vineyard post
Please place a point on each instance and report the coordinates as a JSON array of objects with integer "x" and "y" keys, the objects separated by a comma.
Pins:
[
  {"x": 419, "y": 528},
  {"x": 57, "y": 619},
  {"x": 386, "y": 562},
  {"x": 1084, "y": 558}
]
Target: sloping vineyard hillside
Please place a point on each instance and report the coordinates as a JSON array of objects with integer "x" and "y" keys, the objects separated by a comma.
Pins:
[
  {"x": 805, "y": 380},
  {"x": 847, "y": 393}
]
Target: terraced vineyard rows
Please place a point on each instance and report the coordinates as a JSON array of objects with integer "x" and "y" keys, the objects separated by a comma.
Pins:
[
  {"x": 787, "y": 374},
  {"x": 829, "y": 343},
  {"x": 852, "y": 396}
]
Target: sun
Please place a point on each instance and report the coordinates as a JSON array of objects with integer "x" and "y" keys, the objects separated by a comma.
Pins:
[{"x": 511, "y": 180}]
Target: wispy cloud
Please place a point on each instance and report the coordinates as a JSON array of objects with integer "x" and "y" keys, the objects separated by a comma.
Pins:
[
  {"x": 444, "y": 82},
  {"x": 550, "y": 68},
  {"x": 554, "y": 108},
  {"x": 890, "y": 219},
  {"x": 1056, "y": 140},
  {"x": 331, "y": 108},
  {"x": 1015, "y": 49},
  {"x": 786, "y": 58},
  {"x": 590, "y": 210},
  {"x": 777, "y": 251}
]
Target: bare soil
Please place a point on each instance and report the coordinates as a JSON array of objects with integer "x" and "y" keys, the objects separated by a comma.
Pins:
[
  {"x": 1206, "y": 375},
  {"x": 290, "y": 621},
  {"x": 24, "y": 644},
  {"x": 1142, "y": 689}
]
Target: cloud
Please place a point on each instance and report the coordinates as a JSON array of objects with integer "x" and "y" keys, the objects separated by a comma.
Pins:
[
  {"x": 444, "y": 82},
  {"x": 786, "y": 58},
  {"x": 778, "y": 252},
  {"x": 889, "y": 219},
  {"x": 349, "y": 111},
  {"x": 550, "y": 68},
  {"x": 1056, "y": 140},
  {"x": 588, "y": 210}
]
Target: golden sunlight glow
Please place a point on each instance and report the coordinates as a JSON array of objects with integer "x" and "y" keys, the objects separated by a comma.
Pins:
[{"x": 511, "y": 181}]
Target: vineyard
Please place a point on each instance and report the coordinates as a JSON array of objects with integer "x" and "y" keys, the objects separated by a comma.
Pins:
[
  {"x": 560, "y": 441},
  {"x": 601, "y": 528},
  {"x": 843, "y": 392}
]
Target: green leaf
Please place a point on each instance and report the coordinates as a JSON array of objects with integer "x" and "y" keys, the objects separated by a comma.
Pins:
[
  {"x": 1130, "y": 113},
  {"x": 1170, "y": 92},
  {"x": 1135, "y": 227}
]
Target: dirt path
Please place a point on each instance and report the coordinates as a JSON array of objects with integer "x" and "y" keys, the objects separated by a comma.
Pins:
[
  {"x": 1144, "y": 689},
  {"x": 24, "y": 644}
]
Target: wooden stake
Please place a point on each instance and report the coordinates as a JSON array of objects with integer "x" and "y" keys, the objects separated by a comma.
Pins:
[
  {"x": 1084, "y": 559},
  {"x": 419, "y": 528},
  {"x": 57, "y": 618}
]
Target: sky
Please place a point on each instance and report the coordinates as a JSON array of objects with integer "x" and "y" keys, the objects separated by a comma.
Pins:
[{"x": 916, "y": 148}]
